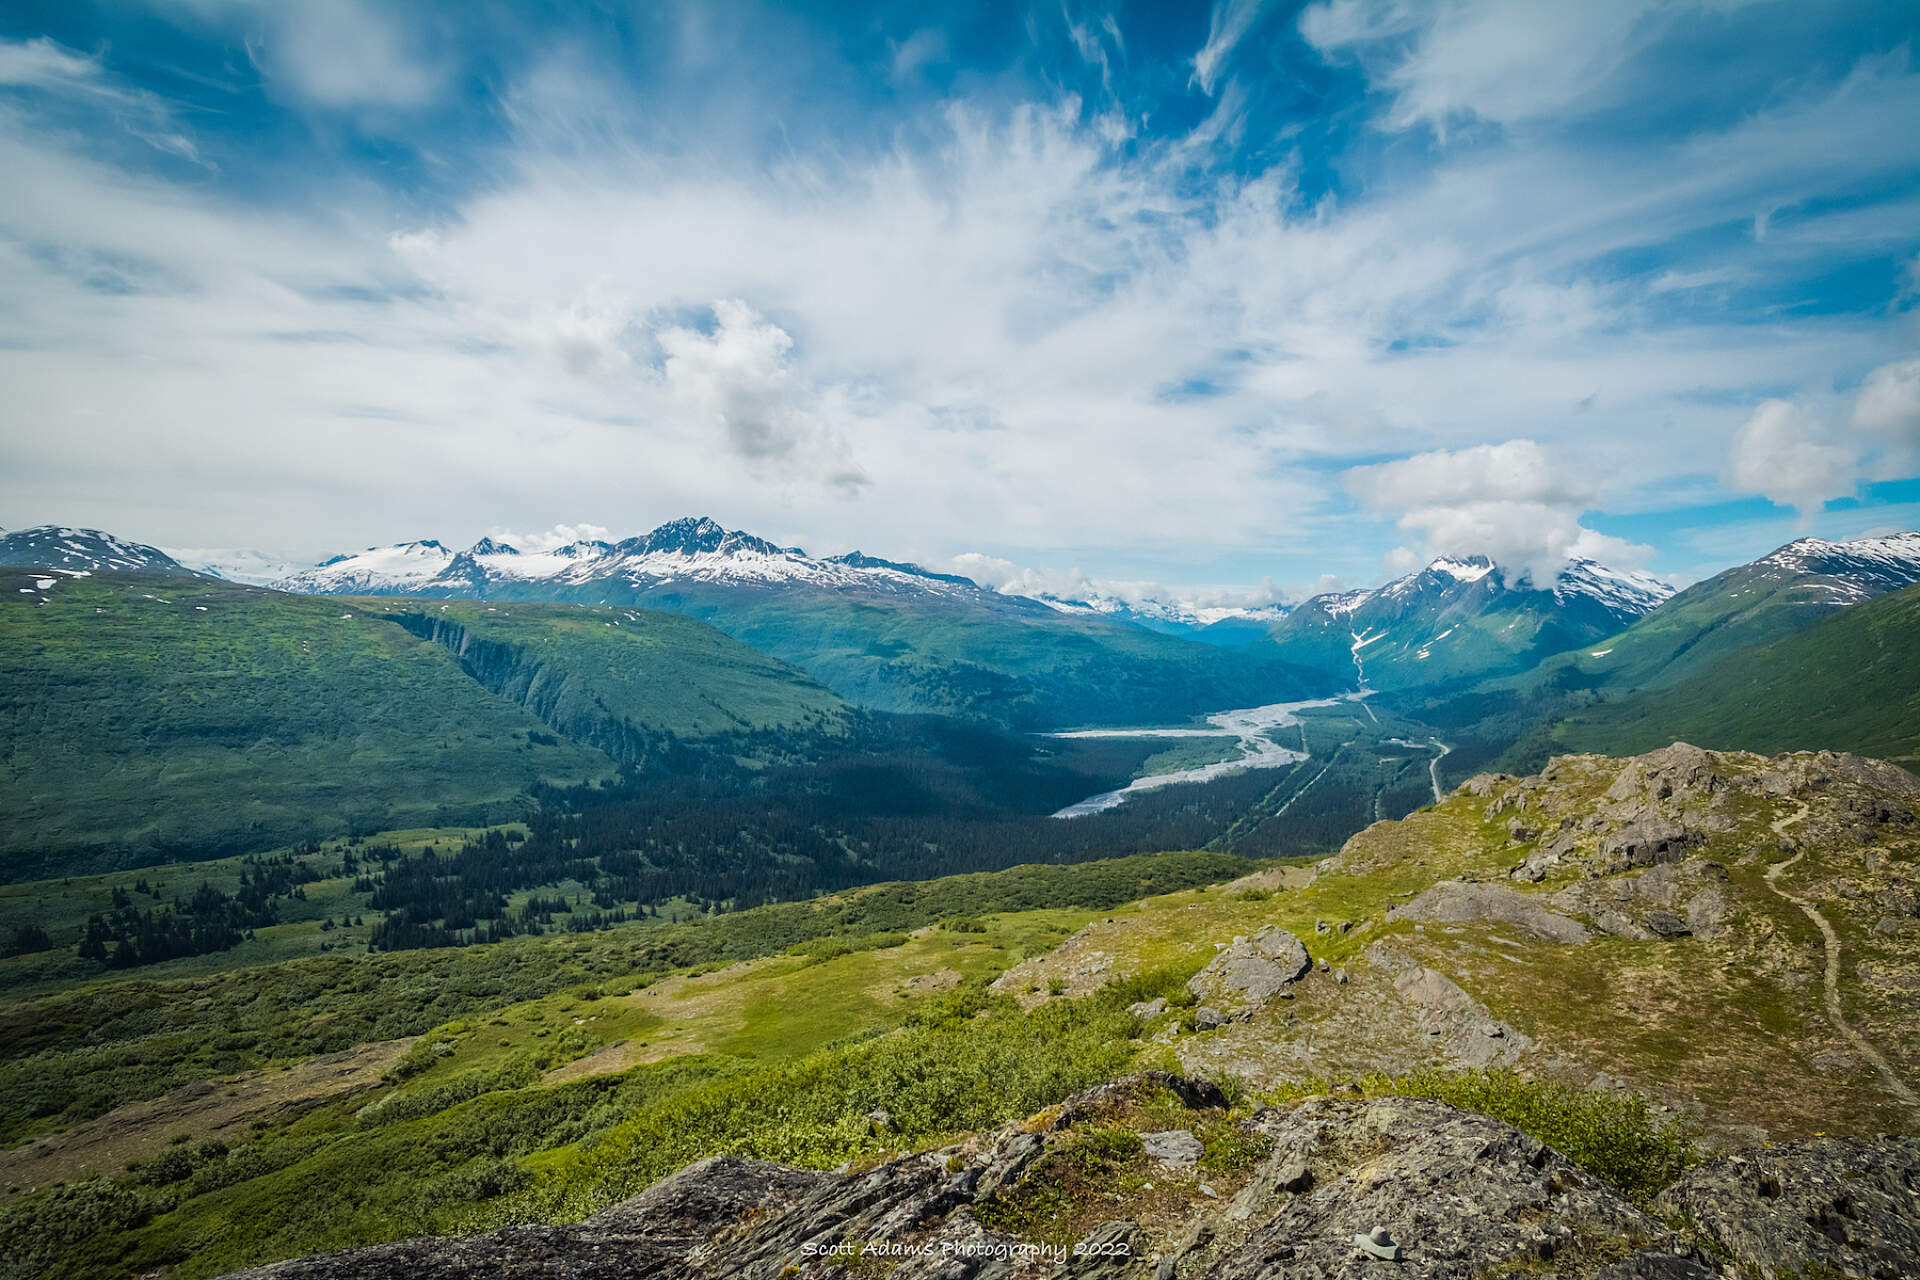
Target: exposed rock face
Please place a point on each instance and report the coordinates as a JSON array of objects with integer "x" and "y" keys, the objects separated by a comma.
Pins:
[
  {"x": 1463, "y": 1194},
  {"x": 1826, "y": 1207},
  {"x": 1461, "y": 902},
  {"x": 1252, "y": 971}
]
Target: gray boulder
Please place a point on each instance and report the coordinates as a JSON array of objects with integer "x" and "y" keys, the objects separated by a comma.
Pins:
[
  {"x": 1645, "y": 838},
  {"x": 1465, "y": 1195},
  {"x": 1174, "y": 1148},
  {"x": 1252, "y": 971}
]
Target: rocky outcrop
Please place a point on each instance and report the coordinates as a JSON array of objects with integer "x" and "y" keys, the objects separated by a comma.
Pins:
[
  {"x": 1466, "y": 902},
  {"x": 1462, "y": 1194},
  {"x": 1823, "y": 1207},
  {"x": 1251, "y": 971}
]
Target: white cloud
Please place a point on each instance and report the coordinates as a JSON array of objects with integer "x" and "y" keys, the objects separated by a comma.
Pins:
[
  {"x": 1807, "y": 452},
  {"x": 1504, "y": 61},
  {"x": 560, "y": 535},
  {"x": 1785, "y": 453},
  {"x": 740, "y": 379},
  {"x": 41, "y": 64},
  {"x": 1227, "y": 27},
  {"x": 924, "y": 48},
  {"x": 1005, "y": 576},
  {"x": 1888, "y": 405},
  {"x": 338, "y": 54},
  {"x": 1510, "y": 502},
  {"x": 988, "y": 333}
]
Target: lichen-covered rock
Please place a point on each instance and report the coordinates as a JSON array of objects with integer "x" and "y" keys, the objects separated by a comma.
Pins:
[
  {"x": 1483, "y": 785},
  {"x": 1646, "y": 837},
  {"x": 1252, "y": 971},
  {"x": 1174, "y": 1148},
  {"x": 1463, "y": 1194},
  {"x": 1827, "y": 1206}
]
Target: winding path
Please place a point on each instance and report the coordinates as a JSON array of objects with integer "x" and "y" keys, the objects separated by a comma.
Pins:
[
  {"x": 1835, "y": 1015},
  {"x": 1433, "y": 769}
]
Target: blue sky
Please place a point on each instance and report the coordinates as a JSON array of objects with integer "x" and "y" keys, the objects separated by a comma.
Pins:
[{"x": 1243, "y": 298}]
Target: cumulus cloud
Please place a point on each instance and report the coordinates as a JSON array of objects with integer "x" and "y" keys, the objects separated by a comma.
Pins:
[
  {"x": 1888, "y": 405},
  {"x": 1786, "y": 453},
  {"x": 1005, "y": 576},
  {"x": 740, "y": 377},
  {"x": 1805, "y": 453},
  {"x": 552, "y": 539},
  {"x": 1510, "y": 502},
  {"x": 1007, "y": 325}
]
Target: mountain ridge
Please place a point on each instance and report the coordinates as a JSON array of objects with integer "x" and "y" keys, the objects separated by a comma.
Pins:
[{"x": 1396, "y": 635}]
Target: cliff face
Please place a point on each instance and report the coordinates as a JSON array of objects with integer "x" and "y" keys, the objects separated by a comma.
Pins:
[
  {"x": 1115, "y": 1183},
  {"x": 562, "y": 699}
]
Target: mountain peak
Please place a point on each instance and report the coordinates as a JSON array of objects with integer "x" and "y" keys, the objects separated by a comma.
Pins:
[
  {"x": 51, "y": 546},
  {"x": 1463, "y": 568},
  {"x": 697, "y": 535},
  {"x": 489, "y": 547}
]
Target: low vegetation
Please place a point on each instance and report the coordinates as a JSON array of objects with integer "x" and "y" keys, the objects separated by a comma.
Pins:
[{"x": 1624, "y": 1139}]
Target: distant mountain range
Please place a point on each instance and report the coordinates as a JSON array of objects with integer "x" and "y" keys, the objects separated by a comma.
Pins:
[
  {"x": 899, "y": 637},
  {"x": 687, "y": 550},
  {"x": 118, "y": 660},
  {"x": 887, "y": 635}
]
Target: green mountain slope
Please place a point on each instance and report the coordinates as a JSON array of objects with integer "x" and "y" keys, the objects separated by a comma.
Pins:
[
  {"x": 1695, "y": 641},
  {"x": 627, "y": 681},
  {"x": 1750, "y": 604},
  {"x": 1849, "y": 682},
  {"x": 143, "y": 716},
  {"x": 147, "y": 717},
  {"x": 206, "y": 1123}
]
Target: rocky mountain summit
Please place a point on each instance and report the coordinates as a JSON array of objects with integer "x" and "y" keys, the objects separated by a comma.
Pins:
[{"x": 1272, "y": 1194}]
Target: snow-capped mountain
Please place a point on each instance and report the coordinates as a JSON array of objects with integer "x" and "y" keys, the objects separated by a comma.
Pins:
[
  {"x": 83, "y": 551},
  {"x": 1849, "y": 571},
  {"x": 1462, "y": 617},
  {"x": 687, "y": 550},
  {"x": 1175, "y": 617},
  {"x": 235, "y": 564},
  {"x": 1751, "y": 604}
]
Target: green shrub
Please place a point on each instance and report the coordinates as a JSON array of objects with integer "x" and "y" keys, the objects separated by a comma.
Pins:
[
  {"x": 415, "y": 1103},
  {"x": 967, "y": 1061},
  {"x": 45, "y": 1231},
  {"x": 1618, "y": 1137}
]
